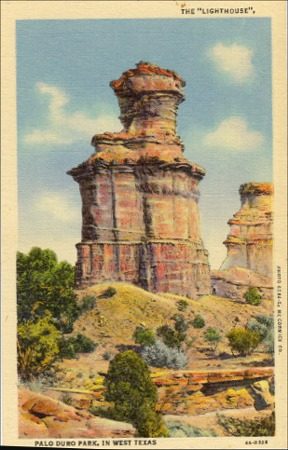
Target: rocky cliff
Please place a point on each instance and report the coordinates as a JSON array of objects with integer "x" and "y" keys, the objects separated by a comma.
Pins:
[
  {"x": 249, "y": 245},
  {"x": 140, "y": 194}
]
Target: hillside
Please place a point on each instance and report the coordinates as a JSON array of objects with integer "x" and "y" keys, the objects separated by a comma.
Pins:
[{"x": 112, "y": 321}]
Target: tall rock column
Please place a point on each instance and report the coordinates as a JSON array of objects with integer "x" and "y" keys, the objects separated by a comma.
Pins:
[
  {"x": 249, "y": 245},
  {"x": 140, "y": 217}
]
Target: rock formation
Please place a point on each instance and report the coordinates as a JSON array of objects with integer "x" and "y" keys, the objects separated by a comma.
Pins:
[
  {"x": 197, "y": 392},
  {"x": 43, "y": 417},
  {"x": 140, "y": 194},
  {"x": 249, "y": 245}
]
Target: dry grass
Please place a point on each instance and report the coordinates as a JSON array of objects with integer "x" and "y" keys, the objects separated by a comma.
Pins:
[{"x": 113, "y": 320}]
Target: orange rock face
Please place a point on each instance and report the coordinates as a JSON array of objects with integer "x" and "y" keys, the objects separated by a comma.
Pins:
[
  {"x": 140, "y": 194},
  {"x": 41, "y": 416}
]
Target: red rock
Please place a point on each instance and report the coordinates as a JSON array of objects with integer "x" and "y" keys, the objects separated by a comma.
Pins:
[
  {"x": 249, "y": 246},
  {"x": 140, "y": 194},
  {"x": 42, "y": 416}
]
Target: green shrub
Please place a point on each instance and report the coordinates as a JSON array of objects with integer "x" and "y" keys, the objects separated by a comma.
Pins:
[
  {"x": 264, "y": 426},
  {"x": 253, "y": 296},
  {"x": 182, "y": 305},
  {"x": 70, "y": 346},
  {"x": 66, "y": 348},
  {"x": 88, "y": 303},
  {"x": 107, "y": 356},
  {"x": 37, "y": 347},
  {"x": 169, "y": 336},
  {"x": 198, "y": 321},
  {"x": 264, "y": 325},
  {"x": 243, "y": 341},
  {"x": 66, "y": 398},
  {"x": 213, "y": 337},
  {"x": 44, "y": 284},
  {"x": 149, "y": 423},
  {"x": 108, "y": 293},
  {"x": 143, "y": 336},
  {"x": 130, "y": 388},
  {"x": 83, "y": 344},
  {"x": 181, "y": 325}
]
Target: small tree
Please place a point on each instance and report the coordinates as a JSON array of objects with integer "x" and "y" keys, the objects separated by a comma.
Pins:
[
  {"x": 174, "y": 337},
  {"x": 198, "y": 321},
  {"x": 181, "y": 325},
  {"x": 129, "y": 387},
  {"x": 213, "y": 337},
  {"x": 144, "y": 336},
  {"x": 182, "y": 305},
  {"x": 44, "y": 284},
  {"x": 169, "y": 336},
  {"x": 253, "y": 296},
  {"x": 243, "y": 341},
  {"x": 38, "y": 347}
]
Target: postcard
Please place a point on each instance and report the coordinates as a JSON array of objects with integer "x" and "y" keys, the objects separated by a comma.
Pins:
[{"x": 144, "y": 224}]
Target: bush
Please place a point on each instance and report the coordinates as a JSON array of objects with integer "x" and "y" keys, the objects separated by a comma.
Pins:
[
  {"x": 107, "y": 356},
  {"x": 144, "y": 336},
  {"x": 181, "y": 325},
  {"x": 88, "y": 303},
  {"x": 264, "y": 325},
  {"x": 37, "y": 347},
  {"x": 168, "y": 336},
  {"x": 198, "y": 321},
  {"x": 178, "y": 429},
  {"x": 66, "y": 398},
  {"x": 213, "y": 337},
  {"x": 253, "y": 296},
  {"x": 66, "y": 348},
  {"x": 182, "y": 305},
  {"x": 108, "y": 293},
  {"x": 243, "y": 341},
  {"x": 173, "y": 338},
  {"x": 76, "y": 344},
  {"x": 83, "y": 344},
  {"x": 160, "y": 355},
  {"x": 44, "y": 285},
  {"x": 149, "y": 423},
  {"x": 264, "y": 426},
  {"x": 129, "y": 387}
]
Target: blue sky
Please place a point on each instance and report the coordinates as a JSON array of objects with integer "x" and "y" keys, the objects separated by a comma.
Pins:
[{"x": 63, "y": 97}]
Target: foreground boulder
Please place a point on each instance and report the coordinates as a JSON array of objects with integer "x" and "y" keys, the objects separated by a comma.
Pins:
[{"x": 42, "y": 416}]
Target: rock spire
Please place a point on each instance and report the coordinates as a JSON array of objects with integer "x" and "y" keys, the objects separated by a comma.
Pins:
[{"x": 140, "y": 217}]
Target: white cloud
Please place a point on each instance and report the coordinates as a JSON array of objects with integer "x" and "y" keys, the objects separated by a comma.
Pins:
[
  {"x": 57, "y": 206},
  {"x": 64, "y": 127},
  {"x": 233, "y": 133},
  {"x": 234, "y": 60}
]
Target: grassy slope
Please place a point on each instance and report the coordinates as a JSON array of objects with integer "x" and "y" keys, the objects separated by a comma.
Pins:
[{"x": 112, "y": 321}]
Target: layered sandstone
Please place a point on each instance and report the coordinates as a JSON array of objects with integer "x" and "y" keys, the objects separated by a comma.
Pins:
[
  {"x": 140, "y": 217},
  {"x": 197, "y": 392},
  {"x": 43, "y": 417},
  {"x": 249, "y": 245}
]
